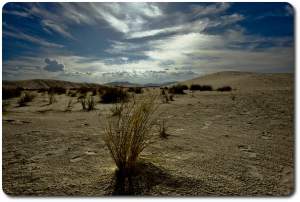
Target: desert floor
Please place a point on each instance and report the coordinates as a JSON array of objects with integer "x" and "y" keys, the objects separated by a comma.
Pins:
[{"x": 221, "y": 143}]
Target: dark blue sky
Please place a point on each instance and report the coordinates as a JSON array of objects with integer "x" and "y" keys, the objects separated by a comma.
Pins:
[{"x": 144, "y": 42}]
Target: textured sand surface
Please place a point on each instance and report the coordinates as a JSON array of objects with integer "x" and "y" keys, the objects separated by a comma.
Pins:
[{"x": 221, "y": 143}]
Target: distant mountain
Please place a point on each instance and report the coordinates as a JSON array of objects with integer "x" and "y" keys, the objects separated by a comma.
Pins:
[
  {"x": 128, "y": 84},
  {"x": 123, "y": 83},
  {"x": 45, "y": 83},
  {"x": 159, "y": 84}
]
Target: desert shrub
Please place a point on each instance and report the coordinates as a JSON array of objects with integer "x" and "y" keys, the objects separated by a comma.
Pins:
[
  {"x": 84, "y": 90},
  {"x": 90, "y": 103},
  {"x": 224, "y": 88},
  {"x": 137, "y": 90},
  {"x": 25, "y": 98},
  {"x": 178, "y": 89},
  {"x": 114, "y": 95},
  {"x": 42, "y": 90},
  {"x": 72, "y": 93},
  {"x": 94, "y": 91},
  {"x": 57, "y": 90},
  {"x": 163, "y": 130},
  {"x": 201, "y": 87},
  {"x": 8, "y": 93},
  {"x": 51, "y": 97},
  {"x": 87, "y": 102},
  {"x": 127, "y": 134},
  {"x": 171, "y": 97}
]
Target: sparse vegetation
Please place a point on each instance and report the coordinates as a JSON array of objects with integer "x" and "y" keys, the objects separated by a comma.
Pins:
[
  {"x": 57, "y": 90},
  {"x": 114, "y": 95},
  {"x": 137, "y": 90},
  {"x": 25, "y": 98},
  {"x": 224, "y": 88},
  {"x": 194, "y": 87},
  {"x": 8, "y": 93},
  {"x": 178, "y": 89},
  {"x": 127, "y": 134},
  {"x": 87, "y": 102},
  {"x": 72, "y": 93}
]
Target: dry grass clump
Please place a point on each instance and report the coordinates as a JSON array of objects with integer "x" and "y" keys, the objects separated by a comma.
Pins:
[
  {"x": 127, "y": 134},
  {"x": 25, "y": 98}
]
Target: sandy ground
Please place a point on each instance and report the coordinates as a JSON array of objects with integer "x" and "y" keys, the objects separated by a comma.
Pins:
[{"x": 221, "y": 143}]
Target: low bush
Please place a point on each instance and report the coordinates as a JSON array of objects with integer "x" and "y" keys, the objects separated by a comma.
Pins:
[
  {"x": 114, "y": 95},
  {"x": 194, "y": 87},
  {"x": 137, "y": 90},
  {"x": 8, "y": 93},
  {"x": 25, "y": 98},
  {"x": 224, "y": 88},
  {"x": 87, "y": 102},
  {"x": 57, "y": 90},
  {"x": 178, "y": 89}
]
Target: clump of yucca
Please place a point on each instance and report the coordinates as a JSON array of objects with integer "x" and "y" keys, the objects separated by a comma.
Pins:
[{"x": 128, "y": 133}]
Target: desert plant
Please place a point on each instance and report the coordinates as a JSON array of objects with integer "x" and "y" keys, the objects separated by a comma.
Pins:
[
  {"x": 127, "y": 134},
  {"x": 72, "y": 93},
  {"x": 163, "y": 130},
  {"x": 114, "y": 95},
  {"x": 178, "y": 89},
  {"x": 8, "y": 93},
  {"x": 90, "y": 103},
  {"x": 51, "y": 97},
  {"x": 224, "y": 88},
  {"x": 200, "y": 87},
  {"x": 87, "y": 102},
  {"x": 25, "y": 98},
  {"x": 171, "y": 97},
  {"x": 117, "y": 109},
  {"x": 137, "y": 90},
  {"x": 57, "y": 90}
]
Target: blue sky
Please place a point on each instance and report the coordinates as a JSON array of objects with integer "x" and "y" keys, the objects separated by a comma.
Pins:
[{"x": 144, "y": 42}]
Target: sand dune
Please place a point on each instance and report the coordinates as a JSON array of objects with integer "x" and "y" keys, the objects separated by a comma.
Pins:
[
  {"x": 246, "y": 80},
  {"x": 238, "y": 143}
]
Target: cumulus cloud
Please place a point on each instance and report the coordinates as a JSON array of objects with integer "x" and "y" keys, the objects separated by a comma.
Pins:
[{"x": 53, "y": 65}]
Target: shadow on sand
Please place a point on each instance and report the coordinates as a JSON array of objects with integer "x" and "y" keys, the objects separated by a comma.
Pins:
[{"x": 148, "y": 175}]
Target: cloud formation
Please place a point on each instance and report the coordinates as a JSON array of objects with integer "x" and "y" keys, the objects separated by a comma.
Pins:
[
  {"x": 53, "y": 65},
  {"x": 145, "y": 42}
]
